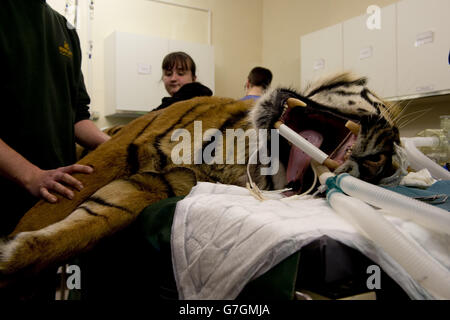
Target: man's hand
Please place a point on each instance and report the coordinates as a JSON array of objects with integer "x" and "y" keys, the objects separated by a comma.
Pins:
[
  {"x": 45, "y": 182},
  {"x": 38, "y": 182}
]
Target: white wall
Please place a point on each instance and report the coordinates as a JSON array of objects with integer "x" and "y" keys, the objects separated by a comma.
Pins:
[
  {"x": 236, "y": 37},
  {"x": 245, "y": 33}
]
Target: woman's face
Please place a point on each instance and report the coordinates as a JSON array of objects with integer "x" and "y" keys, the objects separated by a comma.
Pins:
[{"x": 176, "y": 78}]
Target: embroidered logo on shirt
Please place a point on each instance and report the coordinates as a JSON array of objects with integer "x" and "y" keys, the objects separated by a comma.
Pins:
[{"x": 65, "y": 51}]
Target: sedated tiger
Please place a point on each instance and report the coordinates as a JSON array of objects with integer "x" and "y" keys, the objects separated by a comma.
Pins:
[{"x": 135, "y": 168}]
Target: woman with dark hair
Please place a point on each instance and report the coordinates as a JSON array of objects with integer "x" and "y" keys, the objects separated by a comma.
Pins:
[{"x": 179, "y": 79}]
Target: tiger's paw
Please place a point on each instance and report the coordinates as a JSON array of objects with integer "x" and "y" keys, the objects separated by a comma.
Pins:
[{"x": 20, "y": 254}]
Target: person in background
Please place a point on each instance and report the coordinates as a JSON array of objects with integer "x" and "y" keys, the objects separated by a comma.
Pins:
[
  {"x": 44, "y": 112},
  {"x": 180, "y": 80},
  {"x": 258, "y": 81}
]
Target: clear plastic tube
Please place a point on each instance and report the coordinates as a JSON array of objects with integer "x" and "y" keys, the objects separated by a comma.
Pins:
[
  {"x": 414, "y": 259},
  {"x": 306, "y": 146},
  {"x": 419, "y": 161},
  {"x": 399, "y": 205}
]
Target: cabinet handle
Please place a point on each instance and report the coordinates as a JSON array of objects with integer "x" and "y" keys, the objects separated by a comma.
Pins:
[
  {"x": 424, "y": 38},
  {"x": 428, "y": 88},
  {"x": 319, "y": 64},
  {"x": 365, "y": 53}
]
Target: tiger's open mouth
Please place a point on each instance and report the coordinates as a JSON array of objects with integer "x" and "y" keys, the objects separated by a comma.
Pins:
[{"x": 326, "y": 131}]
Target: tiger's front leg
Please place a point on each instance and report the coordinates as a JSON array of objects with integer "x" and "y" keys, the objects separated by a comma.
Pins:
[{"x": 110, "y": 209}]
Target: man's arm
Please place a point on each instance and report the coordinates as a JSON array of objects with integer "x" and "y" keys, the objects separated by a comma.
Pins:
[
  {"x": 39, "y": 182},
  {"x": 88, "y": 135}
]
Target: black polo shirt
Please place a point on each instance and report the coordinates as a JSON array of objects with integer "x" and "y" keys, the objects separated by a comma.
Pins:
[{"x": 42, "y": 93}]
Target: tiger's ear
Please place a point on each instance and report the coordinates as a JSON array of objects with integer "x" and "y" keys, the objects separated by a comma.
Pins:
[{"x": 181, "y": 180}]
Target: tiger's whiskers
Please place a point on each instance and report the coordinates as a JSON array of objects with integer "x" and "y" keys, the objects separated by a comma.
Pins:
[
  {"x": 407, "y": 121},
  {"x": 402, "y": 108}
]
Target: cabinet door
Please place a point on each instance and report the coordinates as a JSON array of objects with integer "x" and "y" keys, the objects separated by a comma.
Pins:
[
  {"x": 203, "y": 56},
  {"x": 138, "y": 60},
  {"x": 423, "y": 46},
  {"x": 372, "y": 53},
  {"x": 321, "y": 53}
]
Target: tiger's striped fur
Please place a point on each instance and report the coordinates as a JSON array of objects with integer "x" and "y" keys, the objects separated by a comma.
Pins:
[{"x": 134, "y": 168}]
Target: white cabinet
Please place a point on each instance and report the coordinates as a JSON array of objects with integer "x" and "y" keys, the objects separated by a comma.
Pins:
[
  {"x": 321, "y": 53},
  {"x": 133, "y": 70},
  {"x": 372, "y": 53},
  {"x": 423, "y": 38},
  {"x": 407, "y": 57}
]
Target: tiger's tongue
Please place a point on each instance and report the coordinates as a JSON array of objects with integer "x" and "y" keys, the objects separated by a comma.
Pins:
[{"x": 298, "y": 160}]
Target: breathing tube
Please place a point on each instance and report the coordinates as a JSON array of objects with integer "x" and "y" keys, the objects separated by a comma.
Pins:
[
  {"x": 418, "y": 263},
  {"x": 307, "y": 147},
  {"x": 429, "y": 216},
  {"x": 419, "y": 161}
]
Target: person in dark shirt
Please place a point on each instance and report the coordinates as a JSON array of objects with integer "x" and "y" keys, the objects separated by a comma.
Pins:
[
  {"x": 44, "y": 108},
  {"x": 180, "y": 80},
  {"x": 45, "y": 111}
]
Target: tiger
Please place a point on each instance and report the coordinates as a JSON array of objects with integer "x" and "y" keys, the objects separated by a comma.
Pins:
[{"x": 135, "y": 168}]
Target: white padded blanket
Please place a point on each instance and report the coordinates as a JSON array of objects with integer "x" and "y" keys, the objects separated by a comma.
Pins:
[{"x": 222, "y": 237}]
